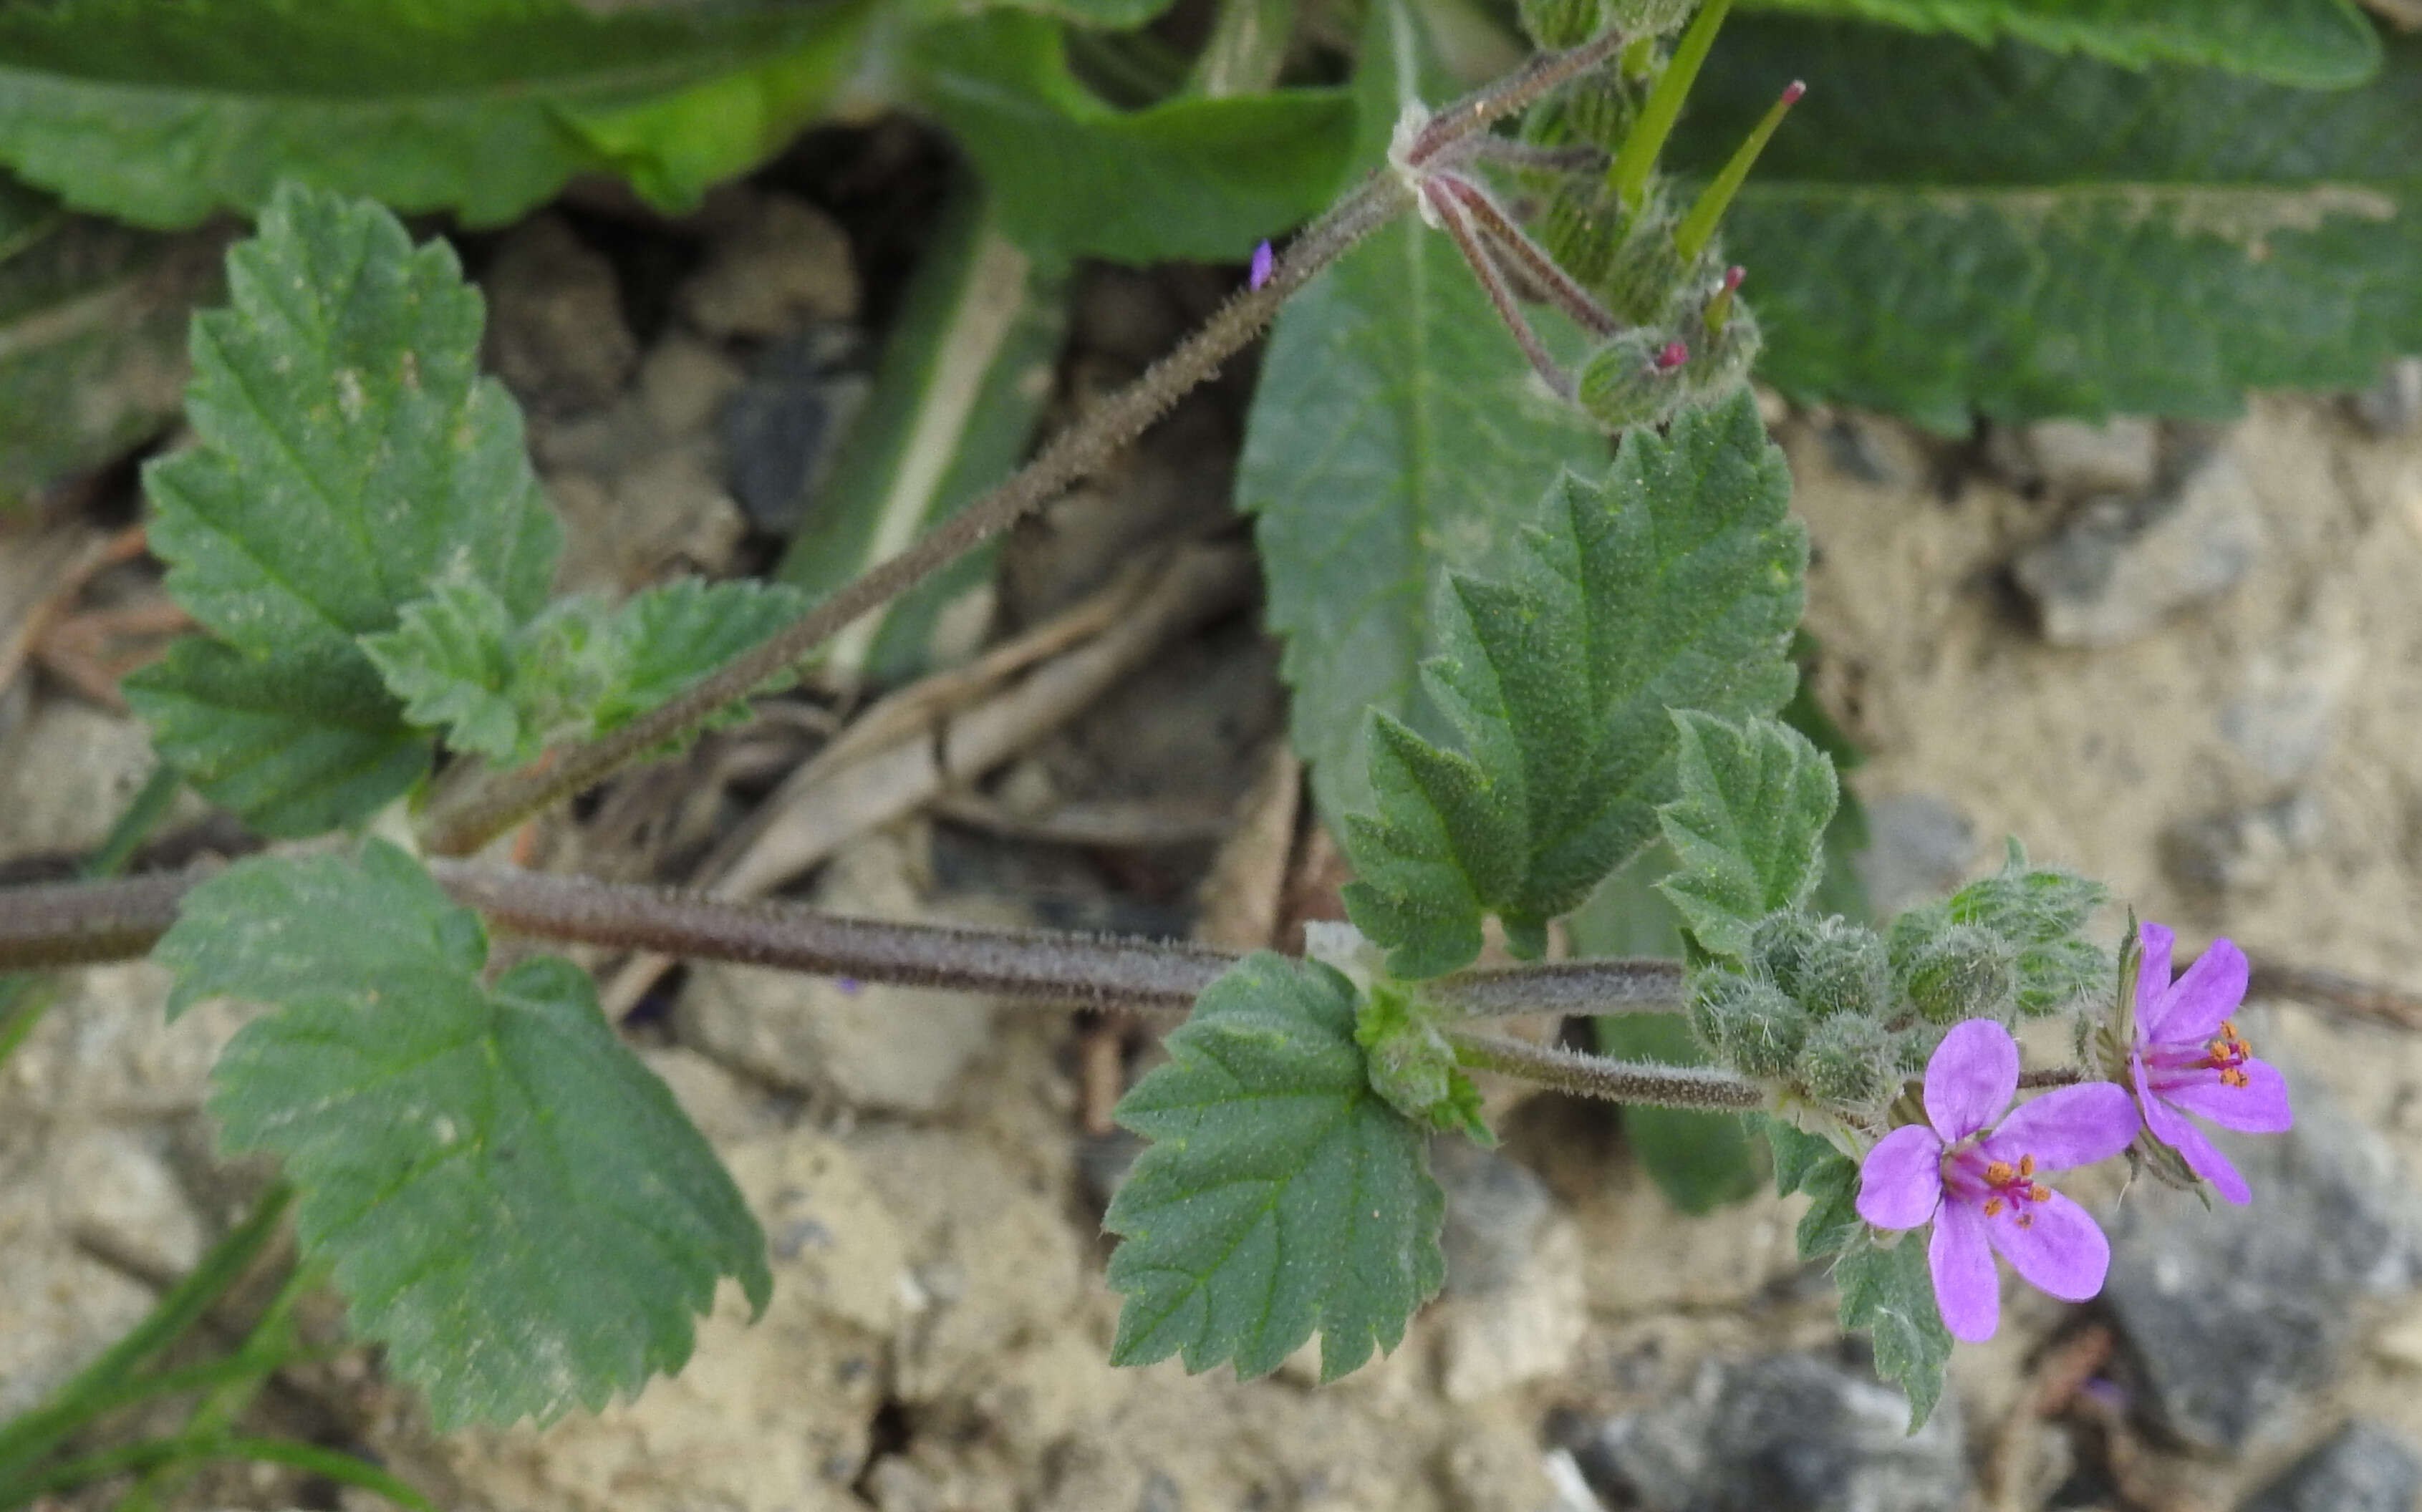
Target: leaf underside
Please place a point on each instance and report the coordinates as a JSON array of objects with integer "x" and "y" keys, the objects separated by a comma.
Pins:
[
  {"x": 1675, "y": 583},
  {"x": 2317, "y": 45},
  {"x": 1279, "y": 1195},
  {"x": 513, "y": 1205},
  {"x": 161, "y": 115},
  {"x": 2087, "y": 239}
]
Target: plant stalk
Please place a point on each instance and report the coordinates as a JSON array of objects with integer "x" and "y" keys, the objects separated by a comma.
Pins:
[
  {"x": 1100, "y": 432},
  {"x": 1642, "y": 1083}
]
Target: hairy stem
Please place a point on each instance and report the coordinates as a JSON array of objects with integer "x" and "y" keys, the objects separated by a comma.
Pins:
[
  {"x": 1494, "y": 100},
  {"x": 1593, "y": 1076},
  {"x": 1457, "y": 225},
  {"x": 1539, "y": 270},
  {"x": 1565, "y": 988},
  {"x": 1099, "y": 433}
]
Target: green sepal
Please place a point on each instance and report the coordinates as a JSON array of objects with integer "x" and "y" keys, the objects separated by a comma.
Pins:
[{"x": 1413, "y": 1066}]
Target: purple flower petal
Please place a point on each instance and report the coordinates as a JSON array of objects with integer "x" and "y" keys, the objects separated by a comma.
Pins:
[
  {"x": 1900, "y": 1182},
  {"x": 2152, "y": 972},
  {"x": 2059, "y": 1250},
  {"x": 1966, "y": 1290},
  {"x": 2259, "y": 1107},
  {"x": 2073, "y": 1126},
  {"x": 2208, "y": 992},
  {"x": 1260, "y": 273},
  {"x": 1971, "y": 1078},
  {"x": 2171, "y": 1127}
]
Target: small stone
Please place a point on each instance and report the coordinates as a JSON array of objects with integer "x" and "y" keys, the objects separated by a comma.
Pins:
[
  {"x": 2237, "y": 1316},
  {"x": 1782, "y": 1433},
  {"x": 66, "y": 774},
  {"x": 2393, "y": 406},
  {"x": 1871, "y": 450},
  {"x": 684, "y": 381},
  {"x": 2120, "y": 566},
  {"x": 776, "y": 265},
  {"x": 119, "y": 1194},
  {"x": 2281, "y": 720},
  {"x": 1919, "y": 849},
  {"x": 781, "y": 427},
  {"x": 2074, "y": 457},
  {"x": 555, "y": 332},
  {"x": 2361, "y": 1468},
  {"x": 2244, "y": 849},
  {"x": 1516, "y": 1300}
]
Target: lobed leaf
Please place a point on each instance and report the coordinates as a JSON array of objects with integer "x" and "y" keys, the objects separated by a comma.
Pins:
[
  {"x": 1190, "y": 176},
  {"x": 1748, "y": 826},
  {"x": 2314, "y": 44},
  {"x": 1279, "y": 1195},
  {"x": 350, "y": 456},
  {"x": 2089, "y": 240},
  {"x": 1888, "y": 1294},
  {"x": 1673, "y": 584},
  {"x": 161, "y": 115},
  {"x": 513, "y": 1205}
]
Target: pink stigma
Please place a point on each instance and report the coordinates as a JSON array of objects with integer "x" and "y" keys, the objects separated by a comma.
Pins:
[
  {"x": 1673, "y": 355},
  {"x": 1732, "y": 277},
  {"x": 1794, "y": 90}
]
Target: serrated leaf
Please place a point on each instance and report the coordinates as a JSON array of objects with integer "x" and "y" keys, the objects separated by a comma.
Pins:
[
  {"x": 350, "y": 456},
  {"x": 2089, "y": 240},
  {"x": 1699, "y": 1161},
  {"x": 509, "y": 691},
  {"x": 1748, "y": 826},
  {"x": 1395, "y": 432},
  {"x": 513, "y": 1205},
  {"x": 296, "y": 746},
  {"x": 1279, "y": 1195},
  {"x": 1674, "y": 585},
  {"x": 1186, "y": 178},
  {"x": 164, "y": 113},
  {"x": 1831, "y": 1221},
  {"x": 2314, "y": 44},
  {"x": 1798, "y": 1153},
  {"x": 1887, "y": 1294}
]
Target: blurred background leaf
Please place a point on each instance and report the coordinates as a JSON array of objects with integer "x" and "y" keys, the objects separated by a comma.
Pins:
[{"x": 2314, "y": 43}]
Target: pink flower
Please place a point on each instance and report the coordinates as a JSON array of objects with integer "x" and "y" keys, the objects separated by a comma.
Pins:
[
  {"x": 1978, "y": 1188},
  {"x": 1260, "y": 271},
  {"x": 2188, "y": 1057}
]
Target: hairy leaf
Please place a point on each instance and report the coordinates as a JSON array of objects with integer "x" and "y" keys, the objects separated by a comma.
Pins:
[
  {"x": 1699, "y": 1161},
  {"x": 296, "y": 746},
  {"x": 2315, "y": 45},
  {"x": 1888, "y": 1294},
  {"x": 349, "y": 457},
  {"x": 1832, "y": 1223},
  {"x": 1749, "y": 825},
  {"x": 1396, "y": 432},
  {"x": 2087, "y": 240},
  {"x": 1798, "y": 1153},
  {"x": 513, "y": 1205},
  {"x": 1279, "y": 1195},
  {"x": 1674, "y": 585},
  {"x": 163, "y": 114},
  {"x": 1189, "y": 176},
  {"x": 581, "y": 668}
]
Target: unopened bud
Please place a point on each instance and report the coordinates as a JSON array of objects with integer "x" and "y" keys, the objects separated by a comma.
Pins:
[
  {"x": 1963, "y": 972},
  {"x": 1848, "y": 1065},
  {"x": 1845, "y": 973},
  {"x": 1748, "y": 1023},
  {"x": 1629, "y": 381}
]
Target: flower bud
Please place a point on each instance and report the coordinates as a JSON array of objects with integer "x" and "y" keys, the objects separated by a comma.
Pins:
[
  {"x": 1962, "y": 973},
  {"x": 1630, "y": 382},
  {"x": 1556, "y": 25},
  {"x": 1830, "y": 967},
  {"x": 1848, "y": 1064},
  {"x": 1748, "y": 1023}
]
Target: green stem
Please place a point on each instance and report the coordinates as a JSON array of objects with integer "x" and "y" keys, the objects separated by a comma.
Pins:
[
  {"x": 154, "y": 1454},
  {"x": 72, "y": 1406},
  {"x": 268, "y": 1345},
  {"x": 1644, "y": 1082},
  {"x": 1638, "y": 157}
]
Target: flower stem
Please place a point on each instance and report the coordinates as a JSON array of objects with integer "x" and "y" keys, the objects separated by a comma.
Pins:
[
  {"x": 1563, "y": 989},
  {"x": 1100, "y": 432},
  {"x": 1644, "y": 1082},
  {"x": 1494, "y": 100}
]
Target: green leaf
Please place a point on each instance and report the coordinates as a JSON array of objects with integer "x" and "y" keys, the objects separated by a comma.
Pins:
[
  {"x": 1279, "y": 1195},
  {"x": 2089, "y": 240},
  {"x": 1699, "y": 1161},
  {"x": 92, "y": 337},
  {"x": 1396, "y": 432},
  {"x": 1674, "y": 585},
  {"x": 1832, "y": 1223},
  {"x": 1186, "y": 178},
  {"x": 1888, "y": 1293},
  {"x": 2314, "y": 44},
  {"x": 349, "y": 457},
  {"x": 1798, "y": 1153},
  {"x": 964, "y": 374},
  {"x": 296, "y": 746},
  {"x": 1748, "y": 826},
  {"x": 509, "y": 691},
  {"x": 164, "y": 113},
  {"x": 514, "y": 1207}
]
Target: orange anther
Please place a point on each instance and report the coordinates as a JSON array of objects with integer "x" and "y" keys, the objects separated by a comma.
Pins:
[
  {"x": 2026, "y": 1220},
  {"x": 1999, "y": 1174},
  {"x": 2026, "y": 1165},
  {"x": 1993, "y": 1207},
  {"x": 2037, "y": 1192}
]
